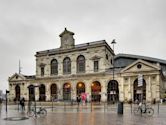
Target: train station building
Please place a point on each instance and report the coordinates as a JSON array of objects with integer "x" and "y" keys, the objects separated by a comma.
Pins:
[{"x": 92, "y": 69}]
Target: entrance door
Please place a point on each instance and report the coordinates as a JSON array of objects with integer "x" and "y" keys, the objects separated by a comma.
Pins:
[
  {"x": 96, "y": 91},
  {"x": 31, "y": 93},
  {"x": 67, "y": 91},
  {"x": 17, "y": 92},
  {"x": 80, "y": 88},
  {"x": 139, "y": 91},
  {"x": 113, "y": 91},
  {"x": 54, "y": 91},
  {"x": 42, "y": 92}
]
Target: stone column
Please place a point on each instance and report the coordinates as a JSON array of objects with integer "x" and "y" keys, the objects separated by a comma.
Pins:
[
  {"x": 158, "y": 88},
  {"x": 73, "y": 65},
  {"x": 103, "y": 92},
  {"x": 73, "y": 91},
  {"x": 60, "y": 66},
  {"x": 88, "y": 89},
  {"x": 130, "y": 90},
  {"x": 60, "y": 91},
  {"x": 149, "y": 90},
  {"x": 121, "y": 90},
  {"x": 48, "y": 97},
  {"x": 26, "y": 90},
  {"x": 36, "y": 93}
]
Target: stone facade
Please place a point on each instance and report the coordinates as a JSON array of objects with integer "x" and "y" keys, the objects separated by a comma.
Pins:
[{"x": 92, "y": 75}]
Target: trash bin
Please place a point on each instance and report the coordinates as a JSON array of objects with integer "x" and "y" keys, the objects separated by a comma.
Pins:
[{"x": 120, "y": 107}]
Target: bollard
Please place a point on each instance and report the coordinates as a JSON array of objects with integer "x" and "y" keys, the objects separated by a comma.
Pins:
[
  {"x": 158, "y": 108},
  {"x": 131, "y": 108},
  {"x": 104, "y": 106},
  {"x": 91, "y": 105},
  {"x": 52, "y": 105}
]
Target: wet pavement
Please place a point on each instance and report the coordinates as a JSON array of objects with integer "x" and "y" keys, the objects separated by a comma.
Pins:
[{"x": 84, "y": 115}]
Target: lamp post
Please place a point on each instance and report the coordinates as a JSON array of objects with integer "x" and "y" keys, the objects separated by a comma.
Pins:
[
  {"x": 113, "y": 42},
  {"x": 6, "y": 99}
]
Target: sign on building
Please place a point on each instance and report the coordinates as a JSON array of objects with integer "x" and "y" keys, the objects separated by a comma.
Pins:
[{"x": 140, "y": 80}]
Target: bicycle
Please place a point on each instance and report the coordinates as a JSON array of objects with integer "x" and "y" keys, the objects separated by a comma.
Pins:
[
  {"x": 42, "y": 112},
  {"x": 144, "y": 109}
]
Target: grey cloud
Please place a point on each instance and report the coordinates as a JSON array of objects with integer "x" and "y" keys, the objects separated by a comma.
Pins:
[{"x": 27, "y": 26}]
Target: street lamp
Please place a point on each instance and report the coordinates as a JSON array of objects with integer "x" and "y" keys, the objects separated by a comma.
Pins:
[{"x": 113, "y": 42}]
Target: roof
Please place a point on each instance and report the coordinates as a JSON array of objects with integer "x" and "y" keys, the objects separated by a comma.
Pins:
[
  {"x": 140, "y": 57},
  {"x": 65, "y": 32},
  {"x": 76, "y": 48}
]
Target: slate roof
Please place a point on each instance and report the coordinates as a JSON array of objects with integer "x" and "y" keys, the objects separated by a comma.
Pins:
[
  {"x": 140, "y": 57},
  {"x": 76, "y": 48}
]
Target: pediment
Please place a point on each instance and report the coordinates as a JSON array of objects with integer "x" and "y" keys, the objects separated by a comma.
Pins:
[
  {"x": 16, "y": 77},
  {"x": 140, "y": 65}
]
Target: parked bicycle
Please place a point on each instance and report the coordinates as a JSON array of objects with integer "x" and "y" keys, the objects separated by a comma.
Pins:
[
  {"x": 42, "y": 112},
  {"x": 143, "y": 109}
]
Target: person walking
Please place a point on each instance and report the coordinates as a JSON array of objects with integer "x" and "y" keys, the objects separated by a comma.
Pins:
[
  {"x": 22, "y": 103},
  {"x": 78, "y": 99}
]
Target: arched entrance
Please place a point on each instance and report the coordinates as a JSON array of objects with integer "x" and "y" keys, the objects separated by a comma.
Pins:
[
  {"x": 42, "y": 92},
  {"x": 67, "y": 91},
  {"x": 54, "y": 91},
  {"x": 139, "y": 91},
  {"x": 31, "y": 93},
  {"x": 80, "y": 88},
  {"x": 96, "y": 91},
  {"x": 17, "y": 93},
  {"x": 112, "y": 91}
]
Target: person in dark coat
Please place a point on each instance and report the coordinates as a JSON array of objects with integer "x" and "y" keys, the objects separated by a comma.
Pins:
[
  {"x": 78, "y": 99},
  {"x": 22, "y": 103}
]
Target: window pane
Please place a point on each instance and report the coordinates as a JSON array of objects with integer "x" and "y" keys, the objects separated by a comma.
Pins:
[
  {"x": 67, "y": 65},
  {"x": 54, "y": 67},
  {"x": 42, "y": 71},
  {"x": 81, "y": 64},
  {"x": 96, "y": 66}
]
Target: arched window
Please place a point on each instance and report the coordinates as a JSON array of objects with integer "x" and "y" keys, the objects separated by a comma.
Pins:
[
  {"x": 54, "y": 67},
  {"x": 67, "y": 91},
  {"x": 67, "y": 65},
  {"x": 80, "y": 88},
  {"x": 139, "y": 91},
  {"x": 81, "y": 63},
  {"x": 113, "y": 91},
  {"x": 95, "y": 91}
]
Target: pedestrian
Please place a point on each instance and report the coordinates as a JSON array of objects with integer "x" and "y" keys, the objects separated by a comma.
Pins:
[
  {"x": 78, "y": 99},
  {"x": 22, "y": 103}
]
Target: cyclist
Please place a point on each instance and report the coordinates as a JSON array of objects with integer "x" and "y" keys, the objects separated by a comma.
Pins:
[{"x": 142, "y": 106}]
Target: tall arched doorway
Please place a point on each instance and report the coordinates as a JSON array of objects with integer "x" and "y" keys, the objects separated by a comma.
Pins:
[
  {"x": 139, "y": 91},
  {"x": 67, "y": 91},
  {"x": 80, "y": 88},
  {"x": 42, "y": 93},
  {"x": 54, "y": 91},
  {"x": 113, "y": 91},
  {"x": 31, "y": 93},
  {"x": 96, "y": 91},
  {"x": 17, "y": 93}
]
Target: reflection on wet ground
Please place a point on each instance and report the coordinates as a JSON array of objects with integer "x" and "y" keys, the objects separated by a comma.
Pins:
[{"x": 72, "y": 115}]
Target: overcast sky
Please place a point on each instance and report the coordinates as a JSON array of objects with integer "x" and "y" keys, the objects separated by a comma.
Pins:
[{"x": 27, "y": 26}]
